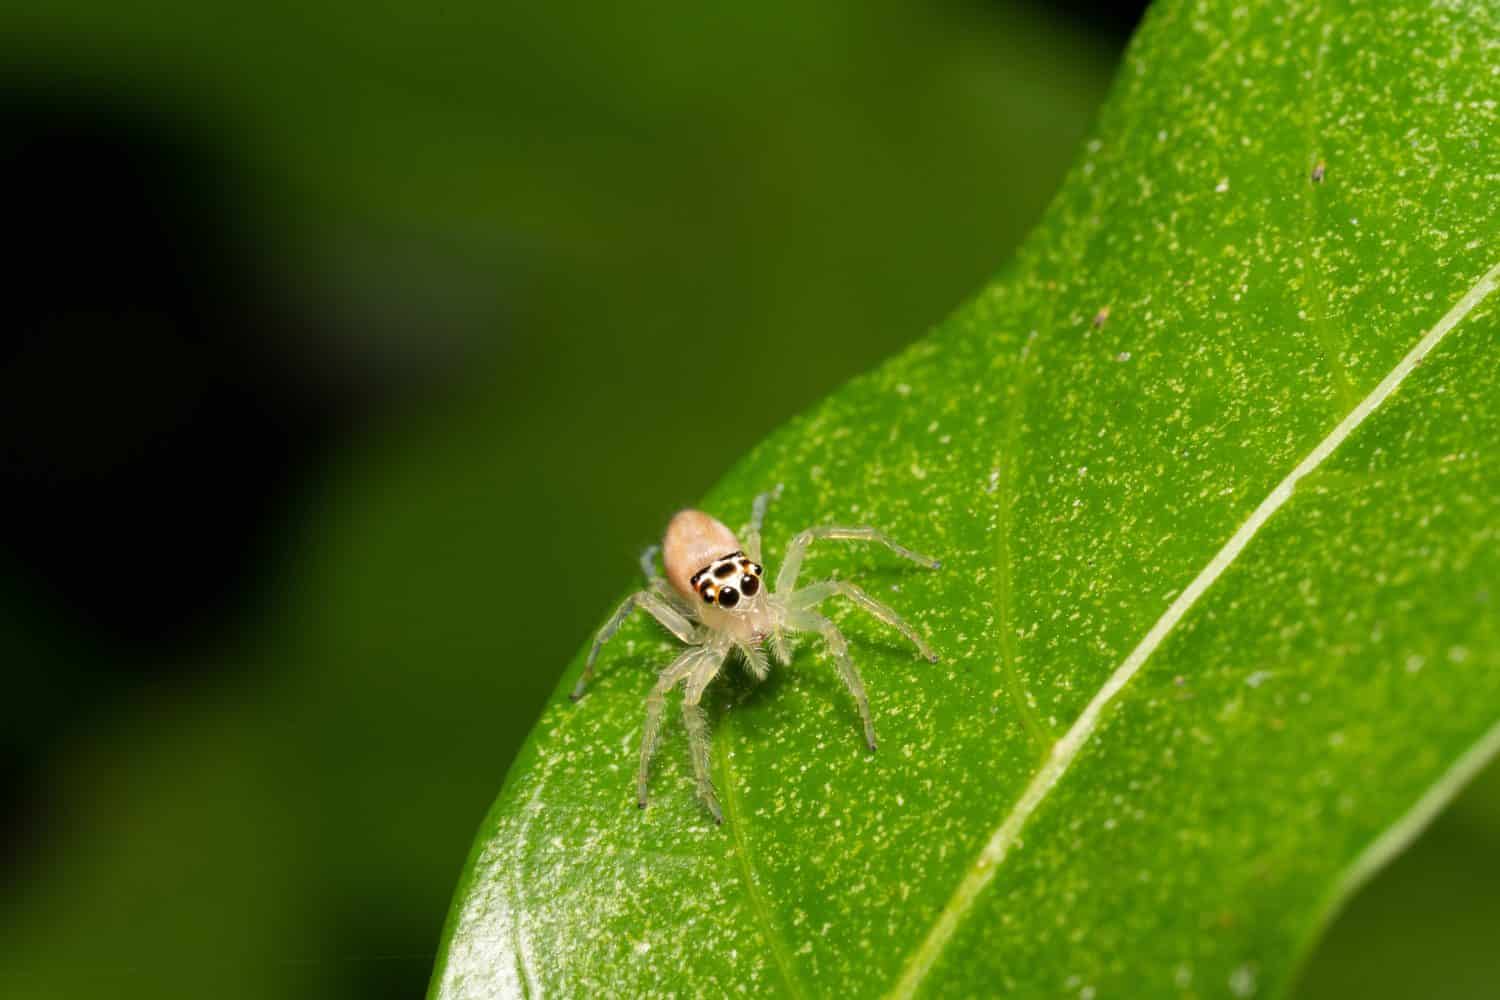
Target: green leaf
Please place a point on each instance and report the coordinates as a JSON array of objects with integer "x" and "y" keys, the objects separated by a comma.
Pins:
[{"x": 1210, "y": 471}]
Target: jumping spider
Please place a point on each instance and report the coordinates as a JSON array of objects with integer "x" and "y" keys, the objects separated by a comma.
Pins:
[{"x": 712, "y": 598}]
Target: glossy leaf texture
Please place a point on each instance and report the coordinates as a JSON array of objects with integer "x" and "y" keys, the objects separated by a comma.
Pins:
[{"x": 1211, "y": 471}]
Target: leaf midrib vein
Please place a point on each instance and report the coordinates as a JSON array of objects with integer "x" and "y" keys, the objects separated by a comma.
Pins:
[{"x": 982, "y": 869}]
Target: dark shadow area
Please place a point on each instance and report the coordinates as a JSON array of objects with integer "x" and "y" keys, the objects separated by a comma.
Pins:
[
  {"x": 1115, "y": 19},
  {"x": 151, "y": 435}
]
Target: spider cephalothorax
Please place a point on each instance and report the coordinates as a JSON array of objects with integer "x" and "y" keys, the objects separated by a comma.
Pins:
[
  {"x": 728, "y": 578},
  {"x": 714, "y": 599}
]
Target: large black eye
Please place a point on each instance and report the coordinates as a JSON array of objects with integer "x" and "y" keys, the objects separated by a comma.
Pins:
[
  {"x": 728, "y": 597},
  {"x": 749, "y": 585}
]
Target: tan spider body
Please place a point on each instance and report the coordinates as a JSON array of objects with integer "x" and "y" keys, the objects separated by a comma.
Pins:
[{"x": 713, "y": 598}]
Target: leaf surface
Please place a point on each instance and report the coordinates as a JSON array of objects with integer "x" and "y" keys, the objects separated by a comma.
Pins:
[{"x": 1210, "y": 472}]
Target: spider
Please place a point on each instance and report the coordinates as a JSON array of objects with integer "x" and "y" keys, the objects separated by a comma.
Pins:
[{"x": 713, "y": 599}]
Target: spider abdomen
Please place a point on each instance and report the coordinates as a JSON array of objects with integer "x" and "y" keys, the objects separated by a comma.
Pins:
[{"x": 694, "y": 540}]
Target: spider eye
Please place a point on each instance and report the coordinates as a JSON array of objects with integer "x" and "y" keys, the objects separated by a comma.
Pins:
[
  {"x": 749, "y": 585},
  {"x": 728, "y": 597},
  {"x": 721, "y": 571},
  {"x": 755, "y": 569},
  {"x": 707, "y": 590}
]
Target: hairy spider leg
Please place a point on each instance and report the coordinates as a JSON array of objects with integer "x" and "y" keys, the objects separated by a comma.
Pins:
[
  {"x": 696, "y": 721},
  {"x": 755, "y": 660},
  {"x": 809, "y": 597},
  {"x": 656, "y": 701},
  {"x": 757, "y": 518},
  {"x": 671, "y": 619},
  {"x": 648, "y": 564},
  {"x": 663, "y": 589},
  {"x": 838, "y": 646},
  {"x": 699, "y": 745},
  {"x": 659, "y": 585},
  {"x": 791, "y": 565}
]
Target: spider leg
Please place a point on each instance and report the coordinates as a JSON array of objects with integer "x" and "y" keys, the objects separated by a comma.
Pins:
[
  {"x": 648, "y": 564},
  {"x": 699, "y": 746},
  {"x": 757, "y": 518},
  {"x": 808, "y": 597},
  {"x": 670, "y": 618},
  {"x": 658, "y": 585},
  {"x": 838, "y": 646},
  {"x": 781, "y": 650},
  {"x": 791, "y": 565},
  {"x": 705, "y": 669},
  {"x": 755, "y": 660},
  {"x": 680, "y": 604},
  {"x": 656, "y": 701}
]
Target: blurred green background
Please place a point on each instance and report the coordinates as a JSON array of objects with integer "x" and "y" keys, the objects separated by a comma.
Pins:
[{"x": 354, "y": 352}]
